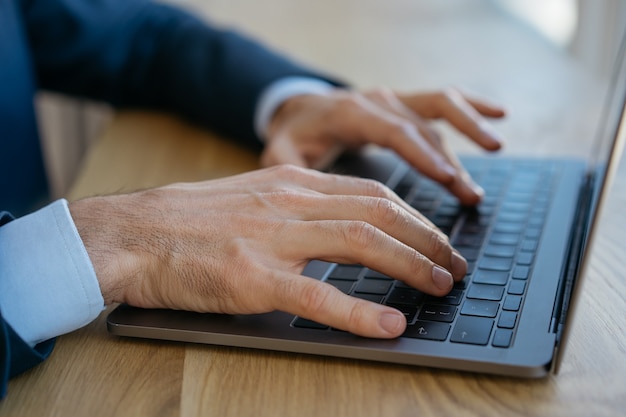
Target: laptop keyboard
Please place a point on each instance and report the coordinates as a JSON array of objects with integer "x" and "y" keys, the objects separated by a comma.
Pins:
[{"x": 498, "y": 238}]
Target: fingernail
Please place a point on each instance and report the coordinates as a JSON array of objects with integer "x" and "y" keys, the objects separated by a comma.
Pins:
[
  {"x": 392, "y": 322},
  {"x": 459, "y": 265},
  {"x": 480, "y": 191},
  {"x": 490, "y": 135},
  {"x": 442, "y": 278}
]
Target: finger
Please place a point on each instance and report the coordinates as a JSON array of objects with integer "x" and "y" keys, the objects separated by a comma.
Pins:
[
  {"x": 459, "y": 112},
  {"x": 386, "y": 216},
  {"x": 384, "y": 128},
  {"x": 359, "y": 242},
  {"x": 344, "y": 185},
  {"x": 463, "y": 187},
  {"x": 322, "y": 303},
  {"x": 485, "y": 108},
  {"x": 468, "y": 192}
]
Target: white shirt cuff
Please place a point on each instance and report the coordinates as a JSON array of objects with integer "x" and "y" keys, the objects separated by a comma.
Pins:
[
  {"x": 48, "y": 286},
  {"x": 279, "y": 91}
]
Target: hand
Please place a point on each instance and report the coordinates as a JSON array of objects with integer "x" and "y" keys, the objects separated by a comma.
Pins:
[
  {"x": 311, "y": 130},
  {"x": 238, "y": 245}
]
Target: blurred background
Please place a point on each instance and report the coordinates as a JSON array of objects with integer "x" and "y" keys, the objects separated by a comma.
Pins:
[{"x": 565, "y": 47}]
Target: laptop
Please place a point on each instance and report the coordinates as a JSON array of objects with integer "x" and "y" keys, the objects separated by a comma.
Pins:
[{"x": 527, "y": 245}]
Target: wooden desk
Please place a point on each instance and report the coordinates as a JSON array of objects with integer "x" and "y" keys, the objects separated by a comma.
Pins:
[{"x": 94, "y": 374}]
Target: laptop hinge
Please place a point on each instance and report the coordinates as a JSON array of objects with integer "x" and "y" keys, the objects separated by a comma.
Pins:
[{"x": 572, "y": 265}]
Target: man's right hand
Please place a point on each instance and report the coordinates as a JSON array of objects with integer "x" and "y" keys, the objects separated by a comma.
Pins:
[{"x": 238, "y": 245}]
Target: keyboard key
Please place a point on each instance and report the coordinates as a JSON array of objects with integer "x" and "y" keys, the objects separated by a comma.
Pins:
[
  {"x": 471, "y": 266},
  {"x": 341, "y": 285},
  {"x": 437, "y": 312},
  {"x": 504, "y": 238},
  {"x": 444, "y": 222},
  {"x": 525, "y": 258},
  {"x": 369, "y": 273},
  {"x": 495, "y": 264},
  {"x": 407, "y": 296},
  {"x": 502, "y": 338},
  {"x": 374, "y": 298},
  {"x": 452, "y": 298},
  {"x": 507, "y": 319},
  {"x": 471, "y": 240},
  {"x": 452, "y": 210},
  {"x": 512, "y": 303},
  {"x": 511, "y": 207},
  {"x": 406, "y": 183},
  {"x": 502, "y": 251},
  {"x": 512, "y": 217},
  {"x": 400, "y": 284},
  {"x": 347, "y": 272},
  {"x": 308, "y": 324},
  {"x": 423, "y": 206},
  {"x": 509, "y": 227},
  {"x": 474, "y": 228},
  {"x": 486, "y": 292},
  {"x": 472, "y": 330},
  {"x": 482, "y": 308},
  {"x": 518, "y": 196},
  {"x": 521, "y": 272},
  {"x": 461, "y": 285},
  {"x": 469, "y": 253},
  {"x": 483, "y": 276},
  {"x": 532, "y": 232},
  {"x": 427, "y": 330},
  {"x": 529, "y": 245},
  {"x": 373, "y": 286},
  {"x": 408, "y": 310},
  {"x": 517, "y": 287}
]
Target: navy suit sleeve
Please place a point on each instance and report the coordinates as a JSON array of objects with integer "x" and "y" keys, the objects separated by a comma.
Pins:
[
  {"x": 15, "y": 355},
  {"x": 141, "y": 54}
]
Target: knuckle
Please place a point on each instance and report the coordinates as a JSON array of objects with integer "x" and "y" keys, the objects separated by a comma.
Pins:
[
  {"x": 289, "y": 171},
  {"x": 431, "y": 134},
  {"x": 375, "y": 188},
  {"x": 350, "y": 102},
  {"x": 350, "y": 108},
  {"x": 449, "y": 95},
  {"x": 419, "y": 264},
  {"x": 402, "y": 129},
  {"x": 285, "y": 198},
  {"x": 386, "y": 211},
  {"x": 359, "y": 235},
  {"x": 383, "y": 94},
  {"x": 357, "y": 316},
  {"x": 314, "y": 299},
  {"x": 438, "y": 246}
]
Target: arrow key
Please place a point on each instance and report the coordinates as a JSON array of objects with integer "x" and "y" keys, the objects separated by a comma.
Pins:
[
  {"x": 427, "y": 330},
  {"x": 472, "y": 330}
]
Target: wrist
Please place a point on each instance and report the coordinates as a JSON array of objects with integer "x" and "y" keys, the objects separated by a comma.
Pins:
[
  {"x": 279, "y": 92},
  {"x": 105, "y": 227}
]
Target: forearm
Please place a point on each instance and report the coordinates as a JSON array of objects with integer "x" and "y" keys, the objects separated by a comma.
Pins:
[{"x": 143, "y": 54}]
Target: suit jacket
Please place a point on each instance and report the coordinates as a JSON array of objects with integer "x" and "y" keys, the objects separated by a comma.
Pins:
[{"x": 129, "y": 53}]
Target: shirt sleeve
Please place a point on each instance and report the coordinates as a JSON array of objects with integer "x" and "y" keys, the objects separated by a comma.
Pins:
[
  {"x": 48, "y": 286},
  {"x": 278, "y": 92}
]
